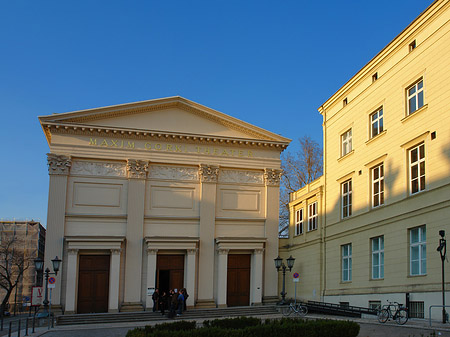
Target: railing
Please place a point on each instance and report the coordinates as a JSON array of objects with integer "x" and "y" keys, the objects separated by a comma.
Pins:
[
  {"x": 338, "y": 309},
  {"x": 436, "y": 306}
]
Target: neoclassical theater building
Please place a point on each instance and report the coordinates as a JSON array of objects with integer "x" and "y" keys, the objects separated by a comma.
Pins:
[{"x": 163, "y": 193}]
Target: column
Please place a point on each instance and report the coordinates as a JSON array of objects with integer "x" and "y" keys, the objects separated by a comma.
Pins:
[
  {"x": 72, "y": 259},
  {"x": 208, "y": 177},
  {"x": 151, "y": 275},
  {"x": 114, "y": 277},
  {"x": 222, "y": 273},
  {"x": 58, "y": 169},
  {"x": 272, "y": 180},
  {"x": 137, "y": 173},
  {"x": 190, "y": 276},
  {"x": 257, "y": 276}
]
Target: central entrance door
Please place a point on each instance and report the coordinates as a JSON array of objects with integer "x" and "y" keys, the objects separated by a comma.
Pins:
[
  {"x": 238, "y": 280},
  {"x": 169, "y": 272},
  {"x": 93, "y": 284}
]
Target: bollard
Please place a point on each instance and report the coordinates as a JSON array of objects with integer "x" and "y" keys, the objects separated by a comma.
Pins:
[
  {"x": 26, "y": 327},
  {"x": 34, "y": 321},
  {"x": 18, "y": 329},
  {"x": 1, "y": 328},
  {"x": 9, "y": 331}
]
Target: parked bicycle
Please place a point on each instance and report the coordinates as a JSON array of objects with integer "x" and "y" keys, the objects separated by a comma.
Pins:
[
  {"x": 400, "y": 314},
  {"x": 297, "y": 308}
]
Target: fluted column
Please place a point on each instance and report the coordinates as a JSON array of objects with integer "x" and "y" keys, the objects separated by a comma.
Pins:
[
  {"x": 272, "y": 181},
  {"x": 190, "y": 276},
  {"x": 137, "y": 173},
  {"x": 72, "y": 268},
  {"x": 222, "y": 273},
  {"x": 208, "y": 177},
  {"x": 114, "y": 277},
  {"x": 257, "y": 277},
  {"x": 151, "y": 274},
  {"x": 58, "y": 169}
]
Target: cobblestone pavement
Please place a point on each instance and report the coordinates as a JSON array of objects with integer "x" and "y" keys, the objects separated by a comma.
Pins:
[{"x": 369, "y": 328}]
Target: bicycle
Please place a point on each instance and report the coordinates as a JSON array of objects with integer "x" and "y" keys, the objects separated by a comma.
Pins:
[
  {"x": 400, "y": 315},
  {"x": 297, "y": 308}
]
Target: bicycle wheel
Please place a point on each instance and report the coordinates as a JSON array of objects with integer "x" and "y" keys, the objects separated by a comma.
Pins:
[
  {"x": 302, "y": 310},
  {"x": 401, "y": 316},
  {"x": 286, "y": 310},
  {"x": 383, "y": 315}
]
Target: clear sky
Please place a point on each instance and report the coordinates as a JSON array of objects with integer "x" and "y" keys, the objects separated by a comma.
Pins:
[{"x": 269, "y": 63}]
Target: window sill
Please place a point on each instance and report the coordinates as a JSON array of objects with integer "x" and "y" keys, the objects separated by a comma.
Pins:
[
  {"x": 346, "y": 282},
  {"x": 382, "y": 133},
  {"x": 416, "y": 193},
  {"x": 312, "y": 230},
  {"x": 345, "y": 156},
  {"x": 376, "y": 279},
  {"x": 415, "y": 113},
  {"x": 413, "y": 276}
]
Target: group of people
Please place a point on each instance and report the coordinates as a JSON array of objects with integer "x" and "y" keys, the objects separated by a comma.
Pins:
[{"x": 174, "y": 302}]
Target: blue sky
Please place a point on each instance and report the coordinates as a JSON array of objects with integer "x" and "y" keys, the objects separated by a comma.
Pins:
[{"x": 269, "y": 63}]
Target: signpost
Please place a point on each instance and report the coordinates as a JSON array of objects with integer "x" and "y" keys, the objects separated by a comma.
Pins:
[{"x": 296, "y": 279}]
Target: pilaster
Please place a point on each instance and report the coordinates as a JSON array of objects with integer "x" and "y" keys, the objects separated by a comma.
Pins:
[
  {"x": 208, "y": 177},
  {"x": 114, "y": 277},
  {"x": 222, "y": 269},
  {"x": 151, "y": 274},
  {"x": 137, "y": 173},
  {"x": 58, "y": 169},
  {"x": 71, "y": 284},
  {"x": 257, "y": 277},
  {"x": 190, "y": 276}
]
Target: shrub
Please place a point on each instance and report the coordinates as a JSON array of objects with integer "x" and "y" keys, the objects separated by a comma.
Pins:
[{"x": 233, "y": 323}]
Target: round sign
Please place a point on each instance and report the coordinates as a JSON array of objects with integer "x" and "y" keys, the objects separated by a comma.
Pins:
[
  {"x": 51, "y": 280},
  {"x": 296, "y": 275}
]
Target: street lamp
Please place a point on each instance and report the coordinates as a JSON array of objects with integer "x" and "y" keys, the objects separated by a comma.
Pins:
[
  {"x": 442, "y": 249},
  {"x": 280, "y": 264},
  {"x": 39, "y": 265}
]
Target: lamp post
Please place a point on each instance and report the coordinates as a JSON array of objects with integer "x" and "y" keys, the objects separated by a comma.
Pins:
[
  {"x": 280, "y": 264},
  {"x": 442, "y": 249},
  {"x": 39, "y": 265}
]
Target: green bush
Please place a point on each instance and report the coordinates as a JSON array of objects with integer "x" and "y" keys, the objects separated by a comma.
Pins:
[
  {"x": 233, "y": 323},
  {"x": 251, "y": 327}
]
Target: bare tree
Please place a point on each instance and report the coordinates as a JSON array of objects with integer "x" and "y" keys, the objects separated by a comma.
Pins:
[
  {"x": 14, "y": 261},
  {"x": 299, "y": 169}
]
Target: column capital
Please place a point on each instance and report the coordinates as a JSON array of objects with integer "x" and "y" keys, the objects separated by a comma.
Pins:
[
  {"x": 208, "y": 173},
  {"x": 72, "y": 251},
  {"x": 116, "y": 251},
  {"x": 222, "y": 251},
  {"x": 152, "y": 251},
  {"x": 259, "y": 250},
  {"x": 272, "y": 177},
  {"x": 137, "y": 169},
  {"x": 58, "y": 164},
  {"x": 191, "y": 251}
]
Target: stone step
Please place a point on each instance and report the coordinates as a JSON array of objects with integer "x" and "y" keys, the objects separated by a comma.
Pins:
[{"x": 156, "y": 316}]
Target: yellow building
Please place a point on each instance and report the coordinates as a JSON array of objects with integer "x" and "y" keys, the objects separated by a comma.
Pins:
[
  {"x": 163, "y": 193},
  {"x": 385, "y": 192}
]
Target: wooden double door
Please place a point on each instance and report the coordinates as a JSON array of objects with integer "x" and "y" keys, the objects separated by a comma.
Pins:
[
  {"x": 93, "y": 283},
  {"x": 169, "y": 272},
  {"x": 238, "y": 280}
]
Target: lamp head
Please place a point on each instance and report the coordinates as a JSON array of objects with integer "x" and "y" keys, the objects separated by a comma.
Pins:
[
  {"x": 290, "y": 262},
  {"x": 39, "y": 264},
  {"x": 56, "y": 264},
  {"x": 278, "y": 262}
]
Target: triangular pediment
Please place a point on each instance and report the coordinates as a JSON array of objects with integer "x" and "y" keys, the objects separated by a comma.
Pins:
[{"x": 173, "y": 114}]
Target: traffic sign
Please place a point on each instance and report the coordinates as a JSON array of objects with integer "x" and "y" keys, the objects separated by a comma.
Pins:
[
  {"x": 51, "y": 282},
  {"x": 296, "y": 275}
]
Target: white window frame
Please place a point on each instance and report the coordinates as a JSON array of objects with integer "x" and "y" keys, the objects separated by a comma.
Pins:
[
  {"x": 299, "y": 221},
  {"x": 377, "y": 123},
  {"x": 346, "y": 253},
  {"x": 377, "y": 247},
  {"x": 417, "y": 96},
  {"x": 421, "y": 246},
  {"x": 346, "y": 199},
  {"x": 418, "y": 166},
  {"x": 312, "y": 216},
  {"x": 378, "y": 185},
  {"x": 346, "y": 142}
]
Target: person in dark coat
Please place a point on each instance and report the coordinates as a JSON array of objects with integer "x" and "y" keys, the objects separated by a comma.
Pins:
[
  {"x": 173, "y": 303},
  {"x": 180, "y": 300},
  {"x": 155, "y": 298},
  {"x": 186, "y": 295},
  {"x": 163, "y": 302}
]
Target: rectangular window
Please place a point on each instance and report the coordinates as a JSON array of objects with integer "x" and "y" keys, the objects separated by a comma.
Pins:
[
  {"x": 418, "y": 251},
  {"x": 312, "y": 216},
  {"x": 347, "y": 262},
  {"x": 346, "y": 142},
  {"x": 299, "y": 221},
  {"x": 345, "y": 102},
  {"x": 417, "y": 168},
  {"x": 414, "y": 96},
  {"x": 374, "y": 77},
  {"x": 376, "y": 123},
  {"x": 346, "y": 198},
  {"x": 378, "y": 185},
  {"x": 375, "y": 305},
  {"x": 416, "y": 309},
  {"x": 412, "y": 46},
  {"x": 378, "y": 257}
]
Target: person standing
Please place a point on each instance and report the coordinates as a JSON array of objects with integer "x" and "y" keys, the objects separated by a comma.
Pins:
[
  {"x": 163, "y": 302},
  {"x": 180, "y": 300},
  {"x": 155, "y": 298},
  {"x": 186, "y": 295}
]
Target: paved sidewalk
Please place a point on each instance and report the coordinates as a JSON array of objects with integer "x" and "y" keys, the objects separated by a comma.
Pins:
[{"x": 370, "y": 327}]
